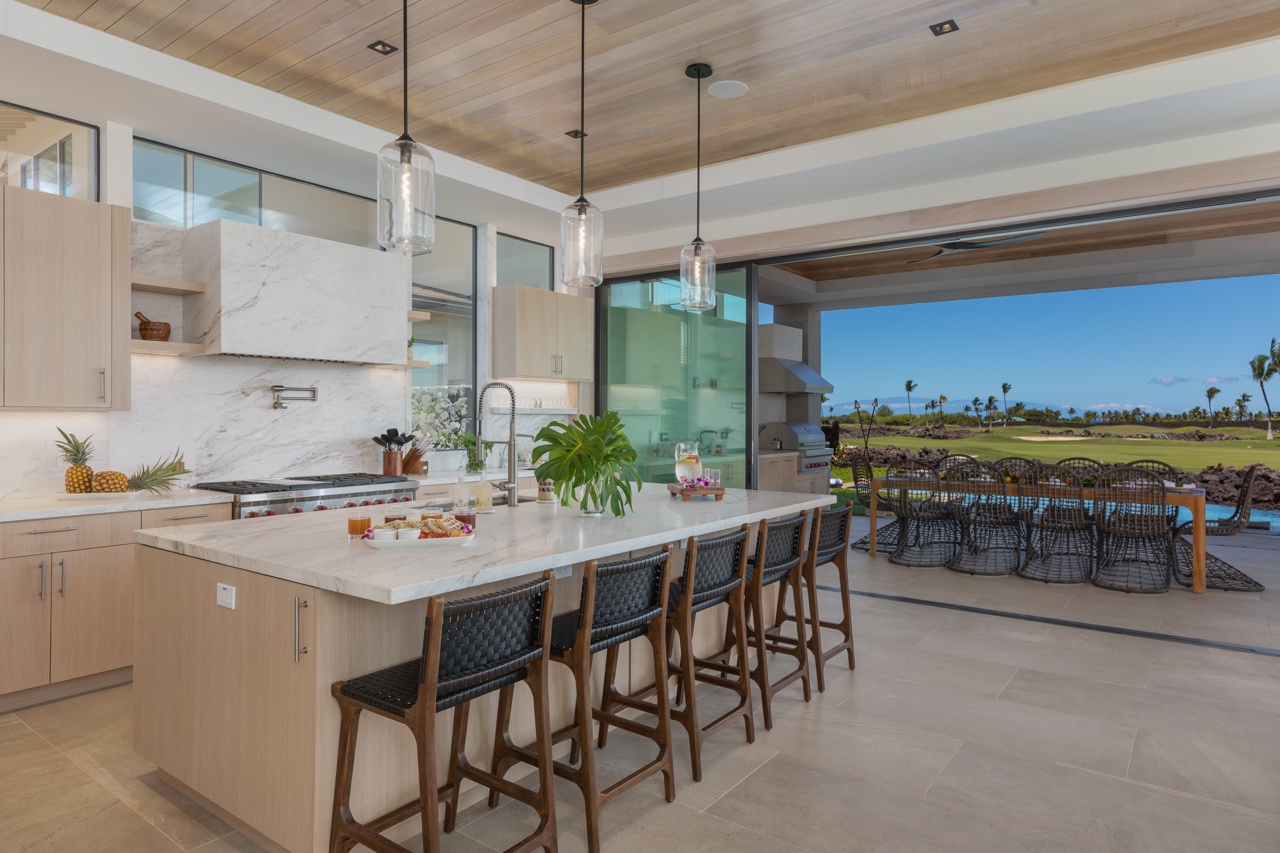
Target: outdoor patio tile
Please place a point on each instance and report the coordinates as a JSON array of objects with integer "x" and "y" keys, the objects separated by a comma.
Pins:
[
  {"x": 978, "y": 622},
  {"x": 955, "y": 671},
  {"x": 1247, "y": 776},
  {"x": 1051, "y": 734},
  {"x": 1117, "y": 667},
  {"x": 83, "y": 719},
  {"x": 1226, "y": 631},
  {"x": 828, "y": 810},
  {"x": 1216, "y": 687},
  {"x": 1095, "y": 809}
]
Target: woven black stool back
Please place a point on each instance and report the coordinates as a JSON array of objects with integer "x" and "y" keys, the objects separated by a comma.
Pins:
[
  {"x": 779, "y": 547},
  {"x": 486, "y": 640},
  {"x": 716, "y": 566},
  {"x": 830, "y": 533},
  {"x": 628, "y": 595}
]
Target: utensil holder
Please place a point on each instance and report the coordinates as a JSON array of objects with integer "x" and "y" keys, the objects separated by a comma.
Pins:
[{"x": 392, "y": 463}]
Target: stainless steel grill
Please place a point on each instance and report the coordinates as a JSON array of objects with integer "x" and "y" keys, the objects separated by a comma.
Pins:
[{"x": 806, "y": 438}]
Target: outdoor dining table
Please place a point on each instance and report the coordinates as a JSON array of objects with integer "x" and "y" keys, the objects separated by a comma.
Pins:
[{"x": 1192, "y": 499}]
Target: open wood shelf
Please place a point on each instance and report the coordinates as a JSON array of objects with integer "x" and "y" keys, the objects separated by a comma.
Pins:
[
  {"x": 171, "y": 286},
  {"x": 165, "y": 347},
  {"x": 414, "y": 362}
]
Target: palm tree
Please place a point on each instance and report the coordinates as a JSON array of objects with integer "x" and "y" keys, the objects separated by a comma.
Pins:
[
  {"x": 1071, "y": 412},
  {"x": 1242, "y": 406},
  {"x": 942, "y": 409},
  {"x": 1263, "y": 369},
  {"x": 1005, "y": 388},
  {"x": 967, "y": 409},
  {"x": 977, "y": 409},
  {"x": 1209, "y": 393},
  {"x": 910, "y": 386},
  {"x": 991, "y": 406}
]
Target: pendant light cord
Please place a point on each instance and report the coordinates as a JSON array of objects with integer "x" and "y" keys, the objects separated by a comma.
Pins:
[
  {"x": 697, "y": 226},
  {"x": 582, "y": 112},
  {"x": 404, "y": 49}
]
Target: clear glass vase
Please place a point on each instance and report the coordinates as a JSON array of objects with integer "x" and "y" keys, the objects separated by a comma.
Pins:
[{"x": 589, "y": 498}]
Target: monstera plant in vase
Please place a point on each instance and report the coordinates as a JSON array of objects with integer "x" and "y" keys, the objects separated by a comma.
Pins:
[{"x": 591, "y": 462}]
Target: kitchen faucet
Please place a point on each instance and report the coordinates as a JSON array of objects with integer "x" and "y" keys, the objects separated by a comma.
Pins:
[
  {"x": 707, "y": 448},
  {"x": 510, "y": 487}
]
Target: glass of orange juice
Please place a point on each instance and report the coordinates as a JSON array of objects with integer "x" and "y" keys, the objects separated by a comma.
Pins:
[{"x": 357, "y": 525}]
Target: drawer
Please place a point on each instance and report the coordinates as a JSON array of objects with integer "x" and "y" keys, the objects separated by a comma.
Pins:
[
  {"x": 178, "y": 516},
  {"x": 67, "y": 533}
]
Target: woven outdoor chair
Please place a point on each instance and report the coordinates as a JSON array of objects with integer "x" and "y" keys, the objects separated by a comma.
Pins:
[
  {"x": 1086, "y": 469},
  {"x": 887, "y": 533},
  {"x": 620, "y": 602},
  {"x": 472, "y": 647},
  {"x": 990, "y": 529},
  {"x": 1061, "y": 547},
  {"x": 950, "y": 462},
  {"x": 1166, "y": 472},
  {"x": 1135, "y": 542},
  {"x": 1013, "y": 467},
  {"x": 1220, "y": 574},
  {"x": 929, "y": 535},
  {"x": 715, "y": 573}
]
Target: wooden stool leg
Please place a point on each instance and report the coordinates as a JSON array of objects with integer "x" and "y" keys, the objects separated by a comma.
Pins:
[
  {"x": 688, "y": 667},
  {"x": 610, "y": 673},
  {"x": 671, "y": 637},
  {"x": 846, "y": 621},
  {"x": 546, "y": 799},
  {"x": 815, "y": 629},
  {"x": 802, "y": 643},
  {"x": 427, "y": 787},
  {"x": 755, "y": 630},
  {"x": 457, "y": 754},
  {"x": 658, "y": 640},
  {"x": 581, "y": 668},
  {"x": 501, "y": 740},
  {"x": 737, "y": 602},
  {"x": 350, "y": 727}
]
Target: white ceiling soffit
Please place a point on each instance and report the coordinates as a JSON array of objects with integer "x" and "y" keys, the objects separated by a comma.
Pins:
[
  {"x": 1205, "y": 108},
  {"x": 1193, "y": 260},
  {"x": 56, "y": 65}
]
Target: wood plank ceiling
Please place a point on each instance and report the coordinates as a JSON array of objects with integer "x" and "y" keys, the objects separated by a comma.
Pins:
[
  {"x": 496, "y": 80},
  {"x": 1256, "y": 218}
]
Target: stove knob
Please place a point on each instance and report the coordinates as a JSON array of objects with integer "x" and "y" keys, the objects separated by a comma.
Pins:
[
  {"x": 379, "y": 502},
  {"x": 321, "y": 507},
  {"x": 296, "y": 509},
  {"x": 350, "y": 504},
  {"x": 251, "y": 515},
  {"x": 366, "y": 503},
  {"x": 269, "y": 512}
]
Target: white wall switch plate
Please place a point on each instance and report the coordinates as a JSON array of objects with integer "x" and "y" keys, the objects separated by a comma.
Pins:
[
  {"x": 226, "y": 596},
  {"x": 564, "y": 572}
]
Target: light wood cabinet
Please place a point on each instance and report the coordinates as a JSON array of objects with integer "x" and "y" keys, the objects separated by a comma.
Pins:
[
  {"x": 66, "y": 297},
  {"x": 776, "y": 473},
  {"x": 67, "y": 533},
  {"x": 24, "y": 623},
  {"x": 91, "y": 629},
  {"x": 540, "y": 334},
  {"x": 184, "y": 515}
]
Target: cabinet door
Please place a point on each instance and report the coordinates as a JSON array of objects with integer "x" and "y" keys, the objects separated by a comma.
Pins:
[
  {"x": 24, "y": 622},
  {"x": 58, "y": 306},
  {"x": 92, "y": 627},
  {"x": 537, "y": 349},
  {"x": 575, "y": 319}
]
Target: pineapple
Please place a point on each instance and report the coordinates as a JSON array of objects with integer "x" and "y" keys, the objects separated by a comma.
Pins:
[
  {"x": 110, "y": 481},
  {"x": 158, "y": 476},
  {"x": 76, "y": 453}
]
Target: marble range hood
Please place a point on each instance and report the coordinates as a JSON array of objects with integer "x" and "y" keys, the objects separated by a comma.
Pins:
[{"x": 276, "y": 294}]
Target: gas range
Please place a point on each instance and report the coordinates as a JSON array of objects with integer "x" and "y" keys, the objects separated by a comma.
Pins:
[{"x": 258, "y": 498}]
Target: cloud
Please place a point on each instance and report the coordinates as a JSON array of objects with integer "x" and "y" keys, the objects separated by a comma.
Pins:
[
  {"x": 1120, "y": 407},
  {"x": 1168, "y": 380},
  {"x": 1221, "y": 380}
]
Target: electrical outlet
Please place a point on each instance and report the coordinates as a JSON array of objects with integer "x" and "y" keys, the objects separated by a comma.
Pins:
[
  {"x": 226, "y": 596},
  {"x": 563, "y": 572}
]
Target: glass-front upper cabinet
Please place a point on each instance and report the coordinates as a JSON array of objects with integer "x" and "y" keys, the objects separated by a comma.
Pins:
[
  {"x": 525, "y": 262},
  {"x": 676, "y": 376},
  {"x": 48, "y": 154}
]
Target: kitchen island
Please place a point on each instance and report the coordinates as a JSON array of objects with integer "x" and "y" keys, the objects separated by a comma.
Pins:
[{"x": 234, "y": 705}]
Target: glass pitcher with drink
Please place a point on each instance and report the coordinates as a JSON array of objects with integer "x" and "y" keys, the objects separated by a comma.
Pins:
[{"x": 688, "y": 462}]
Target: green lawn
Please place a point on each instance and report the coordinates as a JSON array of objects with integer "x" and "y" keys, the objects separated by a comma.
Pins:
[{"x": 1188, "y": 455}]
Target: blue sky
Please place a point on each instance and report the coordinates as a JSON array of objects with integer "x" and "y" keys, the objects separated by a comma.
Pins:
[{"x": 1156, "y": 346}]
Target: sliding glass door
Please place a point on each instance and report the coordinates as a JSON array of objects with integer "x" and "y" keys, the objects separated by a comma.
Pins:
[{"x": 677, "y": 376}]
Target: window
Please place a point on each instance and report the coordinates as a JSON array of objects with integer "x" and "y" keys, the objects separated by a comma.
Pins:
[
  {"x": 48, "y": 154},
  {"x": 525, "y": 262}
]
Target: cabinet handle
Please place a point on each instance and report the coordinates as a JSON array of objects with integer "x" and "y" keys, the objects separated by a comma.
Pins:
[
  {"x": 62, "y": 590},
  {"x": 298, "y": 649},
  {"x": 52, "y": 530},
  {"x": 102, "y": 377},
  {"x": 561, "y": 360},
  {"x": 42, "y": 580},
  {"x": 553, "y": 364},
  {"x": 186, "y": 517}
]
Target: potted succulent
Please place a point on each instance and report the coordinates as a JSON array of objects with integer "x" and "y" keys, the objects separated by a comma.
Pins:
[{"x": 591, "y": 461}]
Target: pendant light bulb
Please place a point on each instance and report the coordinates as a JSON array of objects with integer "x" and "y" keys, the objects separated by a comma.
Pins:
[
  {"x": 582, "y": 223},
  {"x": 698, "y": 259},
  {"x": 406, "y": 182}
]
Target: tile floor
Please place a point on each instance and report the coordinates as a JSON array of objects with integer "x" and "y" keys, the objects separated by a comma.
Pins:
[{"x": 957, "y": 732}]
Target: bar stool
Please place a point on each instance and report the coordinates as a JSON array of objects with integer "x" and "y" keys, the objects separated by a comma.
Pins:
[
  {"x": 828, "y": 543},
  {"x": 714, "y": 573},
  {"x": 471, "y": 647},
  {"x": 778, "y": 560},
  {"x": 620, "y": 602}
]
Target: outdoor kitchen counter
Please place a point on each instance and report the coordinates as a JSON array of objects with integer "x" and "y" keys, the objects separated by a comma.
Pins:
[
  {"x": 312, "y": 549},
  {"x": 243, "y": 627}
]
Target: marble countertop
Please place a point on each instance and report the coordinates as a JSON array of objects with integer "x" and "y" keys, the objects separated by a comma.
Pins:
[
  {"x": 312, "y": 549},
  {"x": 448, "y": 478},
  {"x": 57, "y": 506}
]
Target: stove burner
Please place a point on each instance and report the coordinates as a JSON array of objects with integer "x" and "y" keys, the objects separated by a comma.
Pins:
[
  {"x": 252, "y": 487},
  {"x": 353, "y": 479}
]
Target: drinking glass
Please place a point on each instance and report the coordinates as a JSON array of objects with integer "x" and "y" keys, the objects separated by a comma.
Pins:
[
  {"x": 357, "y": 525},
  {"x": 712, "y": 476}
]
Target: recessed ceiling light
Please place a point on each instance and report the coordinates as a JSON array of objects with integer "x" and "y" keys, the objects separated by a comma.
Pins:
[
  {"x": 383, "y": 47},
  {"x": 943, "y": 28},
  {"x": 727, "y": 89}
]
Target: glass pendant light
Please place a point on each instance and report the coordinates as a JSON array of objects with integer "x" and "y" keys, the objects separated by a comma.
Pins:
[
  {"x": 698, "y": 259},
  {"x": 406, "y": 183},
  {"x": 582, "y": 223}
]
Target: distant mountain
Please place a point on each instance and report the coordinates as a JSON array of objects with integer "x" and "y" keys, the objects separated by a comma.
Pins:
[{"x": 899, "y": 405}]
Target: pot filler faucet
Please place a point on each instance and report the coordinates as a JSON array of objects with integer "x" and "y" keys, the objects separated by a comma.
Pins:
[{"x": 510, "y": 487}]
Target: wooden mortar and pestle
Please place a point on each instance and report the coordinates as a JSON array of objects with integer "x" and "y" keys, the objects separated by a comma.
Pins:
[{"x": 151, "y": 331}]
